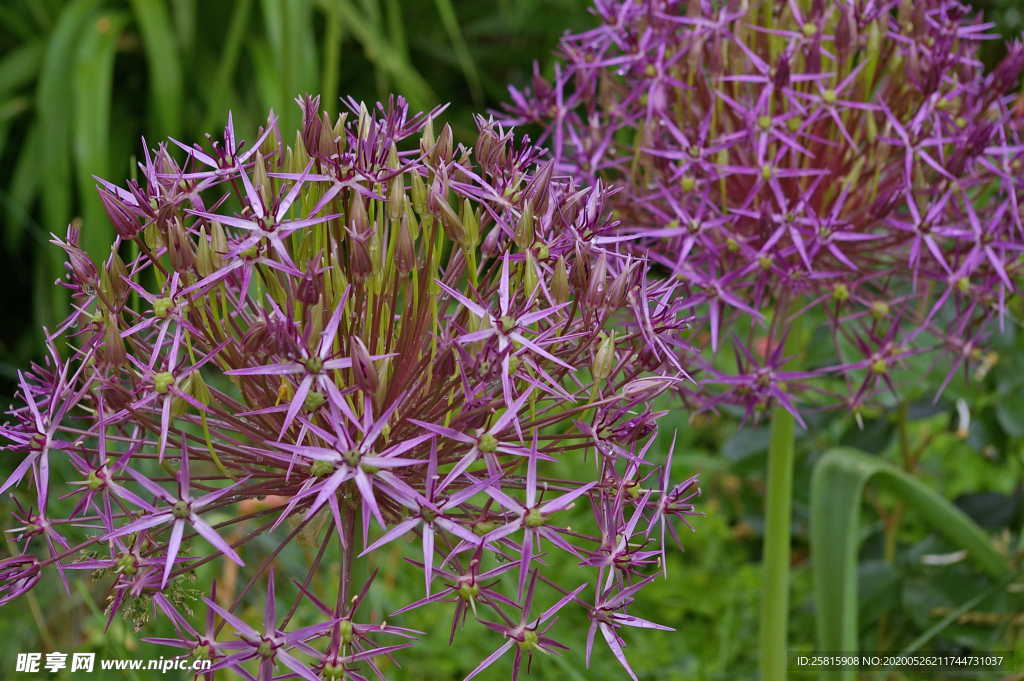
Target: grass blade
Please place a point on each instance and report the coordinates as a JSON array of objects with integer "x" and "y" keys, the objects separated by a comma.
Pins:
[
  {"x": 837, "y": 487},
  {"x": 227, "y": 63},
  {"x": 164, "y": 64},
  {"x": 93, "y": 89},
  {"x": 332, "y": 57},
  {"x": 408, "y": 81},
  {"x": 20, "y": 66},
  {"x": 462, "y": 55},
  {"x": 55, "y": 115}
]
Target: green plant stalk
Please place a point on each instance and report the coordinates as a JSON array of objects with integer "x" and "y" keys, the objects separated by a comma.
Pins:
[{"x": 775, "y": 555}]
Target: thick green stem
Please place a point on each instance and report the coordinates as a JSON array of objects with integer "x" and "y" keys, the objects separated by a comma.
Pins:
[{"x": 775, "y": 594}]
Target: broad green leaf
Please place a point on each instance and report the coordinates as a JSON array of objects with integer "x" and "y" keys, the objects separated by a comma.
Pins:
[
  {"x": 837, "y": 488},
  {"x": 93, "y": 78},
  {"x": 164, "y": 63}
]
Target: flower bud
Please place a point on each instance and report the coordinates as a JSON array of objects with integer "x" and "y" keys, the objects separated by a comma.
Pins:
[
  {"x": 560, "y": 281},
  {"x": 396, "y": 197},
  {"x": 121, "y": 217},
  {"x": 405, "y": 255},
  {"x": 111, "y": 351},
  {"x": 79, "y": 265},
  {"x": 470, "y": 226},
  {"x": 327, "y": 143},
  {"x": 524, "y": 234},
  {"x": 311, "y": 123},
  {"x": 179, "y": 247},
  {"x": 358, "y": 221},
  {"x": 309, "y": 288},
  {"x": 360, "y": 265},
  {"x": 112, "y": 282},
  {"x": 442, "y": 151},
  {"x": 604, "y": 358},
  {"x": 427, "y": 139},
  {"x": 363, "y": 371},
  {"x": 595, "y": 291},
  {"x": 18, "y": 574},
  {"x": 418, "y": 190}
]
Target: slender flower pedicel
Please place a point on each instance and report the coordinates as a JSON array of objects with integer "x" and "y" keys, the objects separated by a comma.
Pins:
[{"x": 368, "y": 335}]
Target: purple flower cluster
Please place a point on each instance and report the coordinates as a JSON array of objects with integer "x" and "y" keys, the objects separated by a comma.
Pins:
[
  {"x": 849, "y": 160},
  {"x": 371, "y": 335}
]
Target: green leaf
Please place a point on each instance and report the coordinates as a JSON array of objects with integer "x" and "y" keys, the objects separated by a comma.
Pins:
[
  {"x": 55, "y": 116},
  {"x": 462, "y": 55},
  {"x": 227, "y": 63},
  {"x": 384, "y": 56},
  {"x": 20, "y": 66},
  {"x": 93, "y": 88},
  {"x": 164, "y": 62},
  {"x": 837, "y": 488}
]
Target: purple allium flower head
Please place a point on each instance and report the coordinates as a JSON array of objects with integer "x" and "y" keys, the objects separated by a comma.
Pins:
[
  {"x": 372, "y": 334},
  {"x": 850, "y": 159}
]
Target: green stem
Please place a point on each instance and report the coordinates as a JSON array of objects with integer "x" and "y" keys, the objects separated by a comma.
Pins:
[{"x": 775, "y": 594}]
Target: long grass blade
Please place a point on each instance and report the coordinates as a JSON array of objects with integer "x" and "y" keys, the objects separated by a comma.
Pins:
[
  {"x": 451, "y": 26},
  {"x": 164, "y": 63},
  {"x": 227, "y": 63},
  {"x": 55, "y": 115},
  {"x": 379, "y": 51},
  {"x": 93, "y": 80},
  {"x": 837, "y": 488},
  {"x": 20, "y": 66}
]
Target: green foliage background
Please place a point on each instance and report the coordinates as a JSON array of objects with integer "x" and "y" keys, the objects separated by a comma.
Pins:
[{"x": 82, "y": 80}]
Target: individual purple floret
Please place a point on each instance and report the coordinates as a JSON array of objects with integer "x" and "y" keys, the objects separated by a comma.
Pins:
[{"x": 371, "y": 341}]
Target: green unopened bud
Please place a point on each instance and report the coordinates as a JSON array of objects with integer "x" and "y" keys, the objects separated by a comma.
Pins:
[
  {"x": 396, "y": 197},
  {"x": 427, "y": 138},
  {"x": 260, "y": 180},
  {"x": 524, "y": 234},
  {"x": 560, "y": 281},
  {"x": 604, "y": 358},
  {"x": 328, "y": 140},
  {"x": 358, "y": 221},
  {"x": 879, "y": 309},
  {"x": 687, "y": 183},
  {"x": 964, "y": 285},
  {"x": 470, "y": 226},
  {"x": 112, "y": 351},
  {"x": 530, "y": 278},
  {"x": 418, "y": 191},
  {"x": 840, "y": 293},
  {"x": 442, "y": 151},
  {"x": 112, "y": 281},
  {"x": 405, "y": 254}
]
